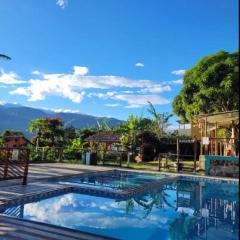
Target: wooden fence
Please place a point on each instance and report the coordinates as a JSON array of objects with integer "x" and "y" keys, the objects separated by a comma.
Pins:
[{"x": 14, "y": 164}]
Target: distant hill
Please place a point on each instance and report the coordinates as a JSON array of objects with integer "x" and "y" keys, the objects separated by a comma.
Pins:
[{"x": 17, "y": 117}]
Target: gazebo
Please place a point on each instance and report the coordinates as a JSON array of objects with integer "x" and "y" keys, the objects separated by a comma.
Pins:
[
  {"x": 219, "y": 155},
  {"x": 109, "y": 138},
  {"x": 110, "y": 142}
]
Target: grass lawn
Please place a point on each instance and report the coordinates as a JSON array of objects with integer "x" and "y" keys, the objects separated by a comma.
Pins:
[{"x": 152, "y": 165}]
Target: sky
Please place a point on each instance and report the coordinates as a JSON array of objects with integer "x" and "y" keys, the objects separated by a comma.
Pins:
[{"x": 108, "y": 57}]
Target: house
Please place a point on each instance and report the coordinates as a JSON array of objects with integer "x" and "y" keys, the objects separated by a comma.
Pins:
[{"x": 15, "y": 141}]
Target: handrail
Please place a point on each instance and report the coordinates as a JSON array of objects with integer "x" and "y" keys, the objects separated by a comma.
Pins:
[{"x": 14, "y": 163}]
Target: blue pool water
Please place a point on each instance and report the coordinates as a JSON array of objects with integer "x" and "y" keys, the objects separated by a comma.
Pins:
[
  {"x": 115, "y": 180},
  {"x": 178, "y": 210}
]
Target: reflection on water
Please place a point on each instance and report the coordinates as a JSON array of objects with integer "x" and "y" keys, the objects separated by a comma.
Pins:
[{"x": 180, "y": 210}]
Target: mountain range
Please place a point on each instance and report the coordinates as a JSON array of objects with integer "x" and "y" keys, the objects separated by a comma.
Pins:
[{"x": 17, "y": 117}]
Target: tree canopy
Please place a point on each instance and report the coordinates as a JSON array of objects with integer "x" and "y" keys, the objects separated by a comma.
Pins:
[
  {"x": 210, "y": 86},
  {"x": 50, "y": 131}
]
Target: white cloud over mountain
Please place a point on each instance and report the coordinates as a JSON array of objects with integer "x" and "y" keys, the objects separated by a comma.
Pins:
[{"x": 78, "y": 85}]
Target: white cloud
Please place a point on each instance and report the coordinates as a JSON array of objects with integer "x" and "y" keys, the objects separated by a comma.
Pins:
[
  {"x": 135, "y": 101},
  {"x": 36, "y": 72},
  {"x": 139, "y": 64},
  {"x": 179, "y": 72},
  {"x": 156, "y": 89},
  {"x": 80, "y": 70},
  {"x": 112, "y": 105},
  {"x": 9, "y": 78},
  {"x": 173, "y": 82},
  {"x": 179, "y": 81},
  {"x": 62, "y": 3},
  {"x": 62, "y": 110},
  {"x": 74, "y": 86}
]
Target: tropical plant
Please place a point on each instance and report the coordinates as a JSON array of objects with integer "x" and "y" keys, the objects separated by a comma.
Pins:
[{"x": 161, "y": 121}]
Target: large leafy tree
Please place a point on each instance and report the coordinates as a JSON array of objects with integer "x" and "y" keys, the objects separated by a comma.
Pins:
[
  {"x": 50, "y": 131},
  {"x": 210, "y": 86}
]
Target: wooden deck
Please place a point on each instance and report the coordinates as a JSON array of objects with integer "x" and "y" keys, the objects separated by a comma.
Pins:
[{"x": 16, "y": 229}]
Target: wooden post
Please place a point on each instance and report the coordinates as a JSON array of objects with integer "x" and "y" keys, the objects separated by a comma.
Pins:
[
  {"x": 5, "y": 174},
  {"x": 195, "y": 154},
  {"x": 26, "y": 167},
  {"x": 201, "y": 145},
  {"x": 216, "y": 142},
  {"x": 205, "y": 133},
  {"x": 177, "y": 154}
]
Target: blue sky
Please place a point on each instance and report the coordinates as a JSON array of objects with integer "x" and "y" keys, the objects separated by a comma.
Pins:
[{"x": 107, "y": 58}]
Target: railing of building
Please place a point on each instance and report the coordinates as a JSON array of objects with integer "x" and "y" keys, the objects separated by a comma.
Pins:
[
  {"x": 14, "y": 164},
  {"x": 221, "y": 147}
]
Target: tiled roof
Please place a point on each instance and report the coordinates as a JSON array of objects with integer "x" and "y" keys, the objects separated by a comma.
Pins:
[{"x": 104, "y": 136}]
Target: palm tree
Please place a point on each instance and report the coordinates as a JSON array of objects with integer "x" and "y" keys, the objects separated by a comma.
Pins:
[
  {"x": 160, "y": 120},
  {"x": 4, "y": 57}
]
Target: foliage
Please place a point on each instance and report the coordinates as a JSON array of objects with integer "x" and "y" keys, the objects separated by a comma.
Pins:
[
  {"x": 182, "y": 227},
  {"x": 50, "y": 131},
  {"x": 210, "y": 86},
  {"x": 175, "y": 134},
  {"x": 74, "y": 149},
  {"x": 9, "y": 132},
  {"x": 161, "y": 121}
]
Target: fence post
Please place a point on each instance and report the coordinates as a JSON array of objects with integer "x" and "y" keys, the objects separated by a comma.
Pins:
[
  {"x": 26, "y": 167},
  {"x": 178, "y": 154},
  {"x": 195, "y": 154},
  {"x": 159, "y": 157},
  {"x": 5, "y": 175}
]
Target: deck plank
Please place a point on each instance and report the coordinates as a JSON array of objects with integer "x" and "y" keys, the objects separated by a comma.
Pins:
[{"x": 13, "y": 228}]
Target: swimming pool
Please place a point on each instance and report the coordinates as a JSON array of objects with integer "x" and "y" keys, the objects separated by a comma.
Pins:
[
  {"x": 181, "y": 209},
  {"x": 112, "y": 180}
]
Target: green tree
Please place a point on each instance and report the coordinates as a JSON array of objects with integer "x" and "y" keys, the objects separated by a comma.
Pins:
[
  {"x": 210, "y": 86},
  {"x": 9, "y": 132},
  {"x": 161, "y": 121},
  {"x": 50, "y": 131}
]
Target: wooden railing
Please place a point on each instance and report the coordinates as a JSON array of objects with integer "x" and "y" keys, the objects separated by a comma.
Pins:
[
  {"x": 14, "y": 164},
  {"x": 221, "y": 147}
]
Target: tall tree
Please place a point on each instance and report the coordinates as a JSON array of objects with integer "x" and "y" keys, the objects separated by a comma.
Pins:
[
  {"x": 210, "y": 86},
  {"x": 161, "y": 120},
  {"x": 50, "y": 131}
]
